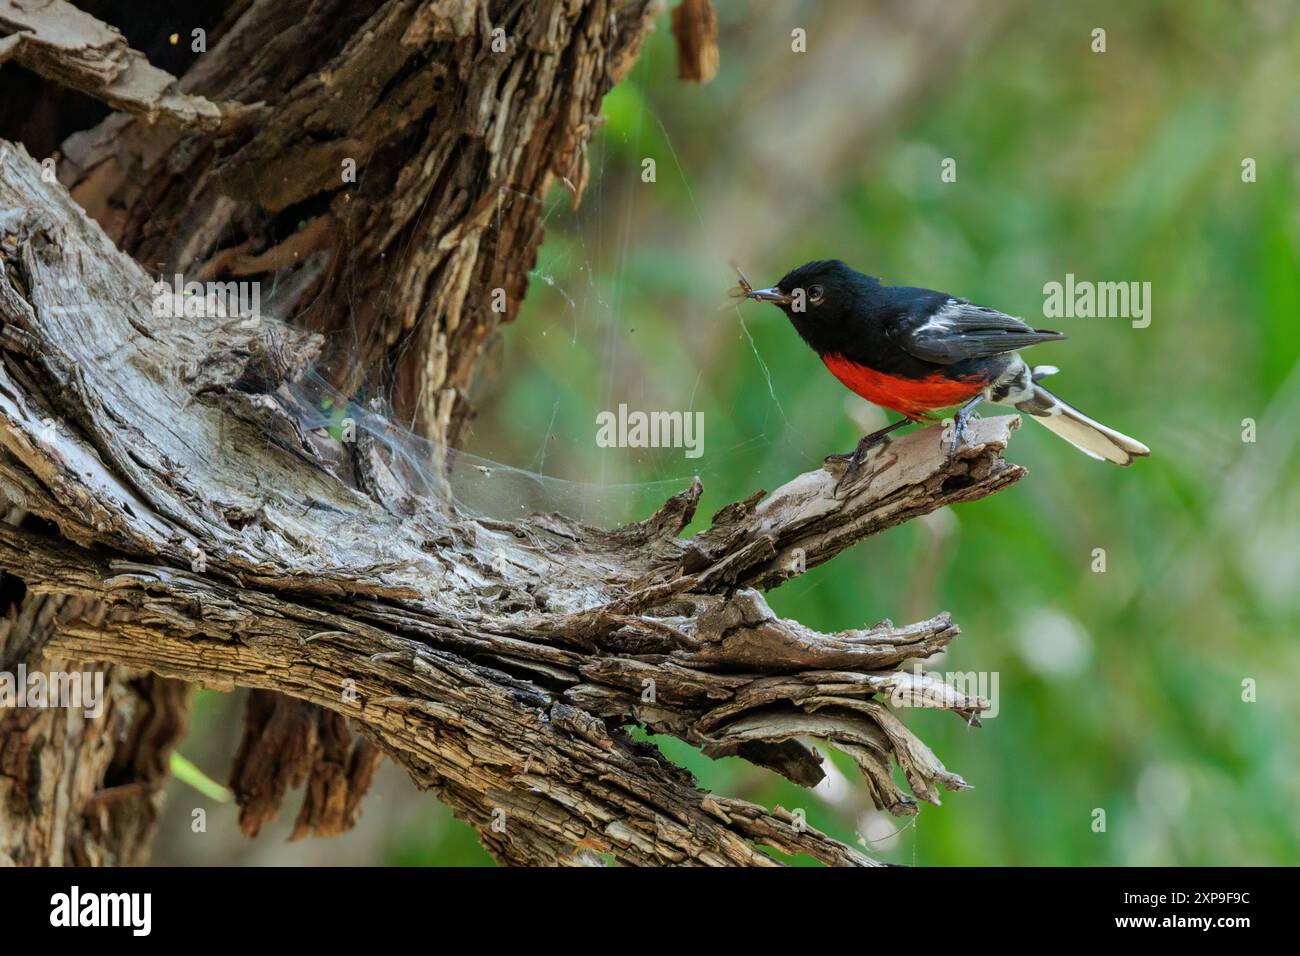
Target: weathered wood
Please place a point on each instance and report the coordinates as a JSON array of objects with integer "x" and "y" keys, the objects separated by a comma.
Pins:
[
  {"x": 87, "y": 791},
  {"x": 496, "y": 661},
  {"x": 67, "y": 45},
  {"x": 455, "y": 138}
]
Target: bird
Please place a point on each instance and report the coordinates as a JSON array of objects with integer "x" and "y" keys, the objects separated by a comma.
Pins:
[{"x": 915, "y": 351}]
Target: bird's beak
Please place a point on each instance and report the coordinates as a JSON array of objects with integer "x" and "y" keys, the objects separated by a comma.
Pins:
[{"x": 769, "y": 295}]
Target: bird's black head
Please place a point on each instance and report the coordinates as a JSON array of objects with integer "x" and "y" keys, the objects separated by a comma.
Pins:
[{"x": 819, "y": 294}]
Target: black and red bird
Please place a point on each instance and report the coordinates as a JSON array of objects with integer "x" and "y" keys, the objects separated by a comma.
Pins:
[{"x": 917, "y": 350}]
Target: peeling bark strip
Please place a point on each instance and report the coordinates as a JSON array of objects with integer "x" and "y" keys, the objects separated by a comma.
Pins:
[
  {"x": 498, "y": 662},
  {"x": 66, "y": 45},
  {"x": 695, "y": 27},
  {"x": 288, "y": 743}
]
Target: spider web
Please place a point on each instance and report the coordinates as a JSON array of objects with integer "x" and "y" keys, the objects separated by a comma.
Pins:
[{"x": 629, "y": 482}]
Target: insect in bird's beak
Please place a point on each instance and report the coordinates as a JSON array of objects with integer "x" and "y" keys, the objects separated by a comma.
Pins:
[
  {"x": 746, "y": 291},
  {"x": 769, "y": 295}
]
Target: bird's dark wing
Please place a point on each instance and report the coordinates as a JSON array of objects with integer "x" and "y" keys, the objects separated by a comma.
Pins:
[{"x": 957, "y": 330}]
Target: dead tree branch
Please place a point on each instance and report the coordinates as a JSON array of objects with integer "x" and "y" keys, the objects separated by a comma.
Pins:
[
  {"x": 69, "y": 46},
  {"x": 497, "y": 662}
]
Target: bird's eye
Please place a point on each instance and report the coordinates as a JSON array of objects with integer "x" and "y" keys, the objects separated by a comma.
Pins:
[{"x": 815, "y": 295}]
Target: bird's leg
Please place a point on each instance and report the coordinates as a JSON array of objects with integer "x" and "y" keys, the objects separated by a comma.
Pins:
[
  {"x": 859, "y": 454},
  {"x": 960, "y": 422},
  {"x": 867, "y": 442}
]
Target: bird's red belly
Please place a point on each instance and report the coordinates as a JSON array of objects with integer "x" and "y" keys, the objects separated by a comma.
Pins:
[{"x": 912, "y": 397}]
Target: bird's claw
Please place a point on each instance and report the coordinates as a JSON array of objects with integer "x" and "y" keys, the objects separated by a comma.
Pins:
[
  {"x": 859, "y": 454},
  {"x": 855, "y": 458},
  {"x": 960, "y": 429}
]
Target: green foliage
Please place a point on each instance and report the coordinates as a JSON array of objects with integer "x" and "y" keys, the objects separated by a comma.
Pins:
[
  {"x": 1119, "y": 690},
  {"x": 187, "y": 773}
]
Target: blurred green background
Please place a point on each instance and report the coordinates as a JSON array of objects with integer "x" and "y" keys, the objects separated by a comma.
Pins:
[{"x": 1120, "y": 690}]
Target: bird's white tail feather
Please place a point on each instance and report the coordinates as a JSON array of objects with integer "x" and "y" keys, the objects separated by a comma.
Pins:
[{"x": 1089, "y": 436}]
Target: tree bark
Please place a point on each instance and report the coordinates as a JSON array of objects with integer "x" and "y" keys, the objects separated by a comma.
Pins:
[
  {"x": 498, "y": 662},
  {"x": 85, "y": 792},
  {"x": 448, "y": 136}
]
